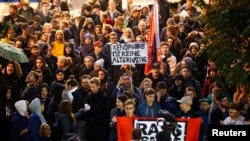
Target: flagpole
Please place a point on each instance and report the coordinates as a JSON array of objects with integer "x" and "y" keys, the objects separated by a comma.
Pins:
[{"x": 154, "y": 39}]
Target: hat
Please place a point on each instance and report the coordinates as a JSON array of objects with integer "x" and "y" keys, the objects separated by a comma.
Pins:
[
  {"x": 203, "y": 100},
  {"x": 35, "y": 46},
  {"x": 167, "y": 116},
  {"x": 97, "y": 43},
  {"x": 100, "y": 62},
  {"x": 186, "y": 99},
  {"x": 155, "y": 66},
  {"x": 194, "y": 44},
  {"x": 59, "y": 70},
  {"x": 87, "y": 35},
  {"x": 109, "y": 21},
  {"x": 136, "y": 8}
]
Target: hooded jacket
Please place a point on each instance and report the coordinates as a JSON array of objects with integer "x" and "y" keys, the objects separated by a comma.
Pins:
[
  {"x": 144, "y": 110},
  {"x": 58, "y": 46},
  {"x": 35, "y": 120},
  {"x": 19, "y": 122}
]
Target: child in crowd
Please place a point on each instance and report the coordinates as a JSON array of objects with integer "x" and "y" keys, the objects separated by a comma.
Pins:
[
  {"x": 234, "y": 117},
  {"x": 45, "y": 132}
]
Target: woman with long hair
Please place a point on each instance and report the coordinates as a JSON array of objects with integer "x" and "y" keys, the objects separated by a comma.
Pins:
[
  {"x": 65, "y": 118},
  {"x": 127, "y": 36},
  {"x": 40, "y": 63}
]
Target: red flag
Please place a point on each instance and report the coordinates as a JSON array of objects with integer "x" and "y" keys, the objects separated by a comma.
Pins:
[
  {"x": 124, "y": 128},
  {"x": 188, "y": 128},
  {"x": 193, "y": 128},
  {"x": 154, "y": 40}
]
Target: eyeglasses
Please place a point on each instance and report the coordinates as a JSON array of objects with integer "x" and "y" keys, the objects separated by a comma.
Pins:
[{"x": 112, "y": 38}]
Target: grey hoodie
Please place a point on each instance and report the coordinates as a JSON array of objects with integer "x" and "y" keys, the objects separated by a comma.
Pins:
[{"x": 35, "y": 106}]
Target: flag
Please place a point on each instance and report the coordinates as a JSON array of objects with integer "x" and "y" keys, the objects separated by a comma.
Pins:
[
  {"x": 124, "y": 128},
  {"x": 192, "y": 128},
  {"x": 187, "y": 129},
  {"x": 154, "y": 39}
]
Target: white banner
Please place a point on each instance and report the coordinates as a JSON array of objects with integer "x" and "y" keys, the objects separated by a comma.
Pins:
[
  {"x": 129, "y": 53},
  {"x": 149, "y": 130}
]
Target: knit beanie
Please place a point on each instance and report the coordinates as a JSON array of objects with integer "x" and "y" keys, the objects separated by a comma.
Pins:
[{"x": 100, "y": 62}]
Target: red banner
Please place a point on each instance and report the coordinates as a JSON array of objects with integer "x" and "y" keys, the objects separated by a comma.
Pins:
[{"x": 186, "y": 129}]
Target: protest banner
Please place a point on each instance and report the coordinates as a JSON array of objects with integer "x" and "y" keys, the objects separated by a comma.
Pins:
[
  {"x": 186, "y": 129},
  {"x": 129, "y": 53}
]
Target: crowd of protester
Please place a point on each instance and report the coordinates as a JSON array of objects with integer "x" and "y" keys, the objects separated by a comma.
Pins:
[{"x": 70, "y": 80}]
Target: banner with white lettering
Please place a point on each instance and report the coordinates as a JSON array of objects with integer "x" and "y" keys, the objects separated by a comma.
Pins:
[
  {"x": 129, "y": 53},
  {"x": 186, "y": 129}
]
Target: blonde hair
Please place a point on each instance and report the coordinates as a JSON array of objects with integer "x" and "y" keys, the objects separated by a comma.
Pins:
[
  {"x": 95, "y": 80},
  {"x": 47, "y": 25},
  {"x": 18, "y": 69},
  {"x": 67, "y": 60},
  {"x": 144, "y": 81},
  {"x": 132, "y": 37},
  {"x": 130, "y": 102}
]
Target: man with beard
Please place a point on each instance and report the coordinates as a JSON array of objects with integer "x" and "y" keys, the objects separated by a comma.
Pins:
[
  {"x": 30, "y": 91},
  {"x": 77, "y": 104},
  {"x": 127, "y": 86},
  {"x": 221, "y": 112},
  {"x": 36, "y": 26},
  {"x": 27, "y": 11},
  {"x": 13, "y": 17},
  {"x": 59, "y": 44}
]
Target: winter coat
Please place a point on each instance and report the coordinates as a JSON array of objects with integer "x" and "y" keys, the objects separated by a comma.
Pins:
[{"x": 65, "y": 122}]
